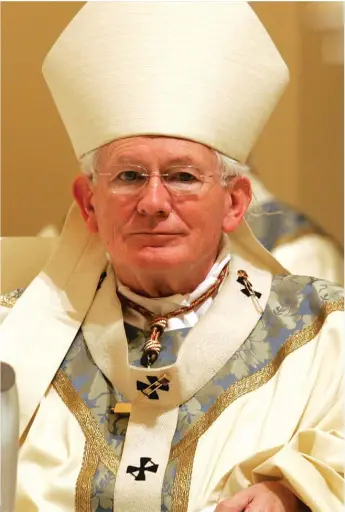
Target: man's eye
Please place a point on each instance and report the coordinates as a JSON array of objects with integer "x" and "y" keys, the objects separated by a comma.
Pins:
[
  {"x": 182, "y": 177},
  {"x": 129, "y": 176}
]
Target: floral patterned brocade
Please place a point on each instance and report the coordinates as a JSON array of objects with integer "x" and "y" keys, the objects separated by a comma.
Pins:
[
  {"x": 275, "y": 223},
  {"x": 295, "y": 304}
]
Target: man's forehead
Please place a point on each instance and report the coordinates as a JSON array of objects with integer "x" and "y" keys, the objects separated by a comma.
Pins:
[{"x": 155, "y": 146}]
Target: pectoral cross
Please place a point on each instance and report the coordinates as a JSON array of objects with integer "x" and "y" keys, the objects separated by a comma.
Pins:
[{"x": 148, "y": 390}]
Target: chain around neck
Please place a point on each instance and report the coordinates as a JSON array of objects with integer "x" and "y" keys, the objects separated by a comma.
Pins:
[{"x": 159, "y": 323}]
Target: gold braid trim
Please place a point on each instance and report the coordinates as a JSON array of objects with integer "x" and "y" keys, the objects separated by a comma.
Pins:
[
  {"x": 96, "y": 448},
  {"x": 181, "y": 486},
  {"x": 254, "y": 381},
  {"x": 83, "y": 489},
  {"x": 87, "y": 422}
]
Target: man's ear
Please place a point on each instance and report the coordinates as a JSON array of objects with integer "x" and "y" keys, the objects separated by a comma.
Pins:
[
  {"x": 83, "y": 195},
  {"x": 239, "y": 197}
]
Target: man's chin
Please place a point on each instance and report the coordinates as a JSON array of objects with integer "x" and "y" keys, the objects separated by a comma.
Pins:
[{"x": 158, "y": 257}]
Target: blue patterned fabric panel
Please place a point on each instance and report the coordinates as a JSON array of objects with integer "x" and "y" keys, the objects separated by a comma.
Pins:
[
  {"x": 294, "y": 304},
  {"x": 273, "y": 220}
]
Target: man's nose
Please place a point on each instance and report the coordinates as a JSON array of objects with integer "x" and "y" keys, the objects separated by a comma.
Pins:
[{"x": 154, "y": 198}]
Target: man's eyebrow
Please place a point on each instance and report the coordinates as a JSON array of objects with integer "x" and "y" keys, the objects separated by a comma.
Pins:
[
  {"x": 123, "y": 159},
  {"x": 182, "y": 160}
]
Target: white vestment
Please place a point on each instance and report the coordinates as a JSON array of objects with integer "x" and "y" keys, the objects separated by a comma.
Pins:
[{"x": 252, "y": 397}]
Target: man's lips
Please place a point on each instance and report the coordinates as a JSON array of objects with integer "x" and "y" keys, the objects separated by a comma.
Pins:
[{"x": 157, "y": 233}]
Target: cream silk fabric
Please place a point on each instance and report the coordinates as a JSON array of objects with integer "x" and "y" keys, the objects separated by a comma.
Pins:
[
  {"x": 58, "y": 301},
  {"x": 106, "y": 95},
  {"x": 14, "y": 273},
  {"x": 284, "y": 427},
  {"x": 312, "y": 254},
  {"x": 50, "y": 459}
]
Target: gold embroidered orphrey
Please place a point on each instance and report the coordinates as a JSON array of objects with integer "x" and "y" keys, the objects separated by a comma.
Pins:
[{"x": 184, "y": 450}]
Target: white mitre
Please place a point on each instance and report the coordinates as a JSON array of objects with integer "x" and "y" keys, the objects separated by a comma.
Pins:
[{"x": 203, "y": 71}]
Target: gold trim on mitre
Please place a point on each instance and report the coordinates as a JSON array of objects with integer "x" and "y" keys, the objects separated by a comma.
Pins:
[{"x": 203, "y": 71}]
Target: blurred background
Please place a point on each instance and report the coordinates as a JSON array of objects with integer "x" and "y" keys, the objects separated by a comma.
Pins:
[{"x": 299, "y": 156}]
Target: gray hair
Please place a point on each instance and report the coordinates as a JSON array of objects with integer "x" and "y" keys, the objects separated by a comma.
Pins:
[{"x": 228, "y": 167}]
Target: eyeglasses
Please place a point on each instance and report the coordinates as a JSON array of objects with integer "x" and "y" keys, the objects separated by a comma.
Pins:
[{"x": 179, "y": 179}]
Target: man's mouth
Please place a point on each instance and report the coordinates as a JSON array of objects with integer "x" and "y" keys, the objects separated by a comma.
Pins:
[{"x": 157, "y": 233}]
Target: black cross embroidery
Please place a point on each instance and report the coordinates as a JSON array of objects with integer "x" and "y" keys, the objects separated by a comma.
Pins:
[
  {"x": 101, "y": 279},
  {"x": 155, "y": 383},
  {"x": 144, "y": 461},
  {"x": 248, "y": 288}
]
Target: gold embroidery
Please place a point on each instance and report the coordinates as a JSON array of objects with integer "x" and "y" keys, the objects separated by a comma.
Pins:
[
  {"x": 185, "y": 449},
  {"x": 330, "y": 307},
  {"x": 83, "y": 494},
  {"x": 27, "y": 429},
  {"x": 256, "y": 380},
  {"x": 9, "y": 299},
  {"x": 87, "y": 423},
  {"x": 181, "y": 486}
]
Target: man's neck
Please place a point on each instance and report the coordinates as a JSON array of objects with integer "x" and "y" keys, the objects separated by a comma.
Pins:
[
  {"x": 172, "y": 281},
  {"x": 155, "y": 284}
]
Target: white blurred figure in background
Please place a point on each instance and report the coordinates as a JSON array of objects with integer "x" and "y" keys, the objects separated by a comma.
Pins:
[
  {"x": 328, "y": 18},
  {"x": 295, "y": 239},
  {"x": 50, "y": 230},
  {"x": 297, "y": 242}
]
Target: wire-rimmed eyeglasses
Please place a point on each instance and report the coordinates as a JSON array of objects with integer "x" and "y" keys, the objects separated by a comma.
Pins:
[{"x": 178, "y": 179}]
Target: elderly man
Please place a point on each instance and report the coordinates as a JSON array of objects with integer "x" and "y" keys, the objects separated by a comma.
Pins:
[{"x": 164, "y": 360}]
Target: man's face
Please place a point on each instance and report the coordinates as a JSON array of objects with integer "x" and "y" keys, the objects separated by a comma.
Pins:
[{"x": 156, "y": 228}]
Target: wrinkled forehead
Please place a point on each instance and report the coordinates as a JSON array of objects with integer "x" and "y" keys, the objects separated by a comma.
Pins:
[{"x": 156, "y": 150}]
